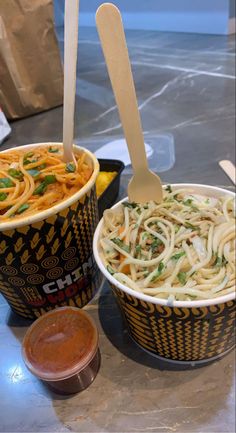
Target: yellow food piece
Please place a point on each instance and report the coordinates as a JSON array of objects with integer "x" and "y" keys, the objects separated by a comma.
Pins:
[{"x": 103, "y": 180}]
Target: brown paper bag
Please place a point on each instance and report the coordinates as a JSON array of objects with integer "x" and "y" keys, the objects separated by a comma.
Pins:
[{"x": 31, "y": 78}]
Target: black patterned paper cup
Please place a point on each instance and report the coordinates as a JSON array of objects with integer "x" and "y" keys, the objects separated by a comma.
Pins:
[
  {"x": 46, "y": 260},
  {"x": 187, "y": 332}
]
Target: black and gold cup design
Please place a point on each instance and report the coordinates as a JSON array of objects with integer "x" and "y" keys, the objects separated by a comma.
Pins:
[
  {"x": 186, "y": 335},
  {"x": 48, "y": 263}
]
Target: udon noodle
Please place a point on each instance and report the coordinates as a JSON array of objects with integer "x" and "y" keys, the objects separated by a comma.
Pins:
[
  {"x": 181, "y": 249},
  {"x": 36, "y": 179}
]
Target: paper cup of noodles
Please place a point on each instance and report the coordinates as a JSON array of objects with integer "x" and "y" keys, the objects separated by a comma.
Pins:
[
  {"x": 46, "y": 258},
  {"x": 197, "y": 325}
]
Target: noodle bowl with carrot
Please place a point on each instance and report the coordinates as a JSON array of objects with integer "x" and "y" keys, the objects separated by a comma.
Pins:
[{"x": 181, "y": 249}]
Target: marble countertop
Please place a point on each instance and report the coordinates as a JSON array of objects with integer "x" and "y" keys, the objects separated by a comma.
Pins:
[{"x": 185, "y": 85}]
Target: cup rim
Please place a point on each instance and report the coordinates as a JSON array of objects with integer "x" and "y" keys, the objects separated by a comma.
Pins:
[
  {"x": 148, "y": 298},
  {"x": 80, "y": 366},
  {"x": 44, "y": 214}
]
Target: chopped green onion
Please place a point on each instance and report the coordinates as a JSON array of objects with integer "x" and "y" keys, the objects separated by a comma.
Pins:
[
  {"x": 176, "y": 198},
  {"x": 53, "y": 150},
  {"x": 121, "y": 244},
  {"x": 131, "y": 205},
  {"x": 28, "y": 161},
  {"x": 178, "y": 255},
  {"x": 3, "y": 196},
  {"x": 70, "y": 167},
  {"x": 5, "y": 182},
  {"x": 110, "y": 270},
  {"x": 50, "y": 178},
  {"x": 182, "y": 277},
  {"x": 138, "y": 249},
  {"x": 158, "y": 272},
  {"x": 28, "y": 155},
  {"x": 17, "y": 174},
  {"x": 155, "y": 244},
  {"x": 188, "y": 202},
  {"x": 145, "y": 235},
  {"x": 190, "y": 226},
  {"x": 168, "y": 188},
  {"x": 220, "y": 261},
  {"x": 42, "y": 166},
  {"x": 23, "y": 208},
  {"x": 40, "y": 189},
  {"x": 34, "y": 172}
]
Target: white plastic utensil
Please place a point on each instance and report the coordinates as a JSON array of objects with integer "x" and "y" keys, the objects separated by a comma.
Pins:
[
  {"x": 229, "y": 168},
  {"x": 70, "y": 60},
  {"x": 144, "y": 185}
]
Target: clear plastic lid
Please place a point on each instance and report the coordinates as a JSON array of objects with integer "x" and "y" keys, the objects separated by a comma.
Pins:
[
  {"x": 60, "y": 344},
  {"x": 160, "y": 150}
]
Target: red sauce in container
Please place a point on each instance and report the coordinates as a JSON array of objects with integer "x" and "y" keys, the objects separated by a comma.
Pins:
[{"x": 61, "y": 348}]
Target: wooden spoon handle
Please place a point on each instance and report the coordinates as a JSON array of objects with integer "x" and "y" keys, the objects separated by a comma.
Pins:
[
  {"x": 112, "y": 36},
  {"x": 229, "y": 169},
  {"x": 70, "y": 60}
]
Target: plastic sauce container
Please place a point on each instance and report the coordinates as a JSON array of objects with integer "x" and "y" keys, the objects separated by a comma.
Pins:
[{"x": 61, "y": 348}]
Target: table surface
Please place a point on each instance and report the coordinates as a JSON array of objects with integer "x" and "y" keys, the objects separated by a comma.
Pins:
[{"x": 185, "y": 86}]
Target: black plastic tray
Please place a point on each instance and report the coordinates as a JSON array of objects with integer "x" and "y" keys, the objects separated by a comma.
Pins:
[{"x": 109, "y": 196}]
